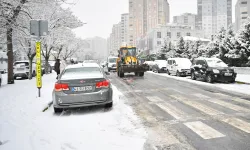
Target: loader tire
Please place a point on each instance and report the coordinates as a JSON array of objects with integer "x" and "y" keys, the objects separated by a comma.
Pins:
[{"x": 141, "y": 74}]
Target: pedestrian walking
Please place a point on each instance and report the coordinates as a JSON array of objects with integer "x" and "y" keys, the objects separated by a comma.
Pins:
[{"x": 57, "y": 66}]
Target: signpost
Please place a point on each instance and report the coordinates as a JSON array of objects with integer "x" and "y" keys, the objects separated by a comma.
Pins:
[{"x": 38, "y": 29}]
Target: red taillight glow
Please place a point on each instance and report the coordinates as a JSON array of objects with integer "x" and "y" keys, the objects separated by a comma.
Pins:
[
  {"x": 61, "y": 87},
  {"x": 102, "y": 84}
]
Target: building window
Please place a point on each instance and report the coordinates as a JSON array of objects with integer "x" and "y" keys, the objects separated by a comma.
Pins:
[
  {"x": 243, "y": 2},
  {"x": 158, "y": 34},
  {"x": 178, "y": 34},
  {"x": 188, "y": 34},
  {"x": 244, "y": 12},
  {"x": 169, "y": 34},
  {"x": 158, "y": 43},
  {"x": 244, "y": 18}
]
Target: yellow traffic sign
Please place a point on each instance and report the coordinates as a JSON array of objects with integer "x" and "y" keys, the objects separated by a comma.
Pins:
[{"x": 38, "y": 65}]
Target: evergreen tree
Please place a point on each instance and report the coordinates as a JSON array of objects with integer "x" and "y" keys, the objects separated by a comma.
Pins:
[
  {"x": 243, "y": 38},
  {"x": 180, "y": 48}
]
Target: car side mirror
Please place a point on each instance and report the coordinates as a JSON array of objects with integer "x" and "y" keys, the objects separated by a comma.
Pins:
[{"x": 107, "y": 73}]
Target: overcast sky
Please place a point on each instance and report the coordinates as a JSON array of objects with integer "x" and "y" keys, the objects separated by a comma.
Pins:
[{"x": 100, "y": 15}]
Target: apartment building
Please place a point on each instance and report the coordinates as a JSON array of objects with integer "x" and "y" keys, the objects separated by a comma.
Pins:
[
  {"x": 124, "y": 28},
  {"x": 187, "y": 19},
  {"x": 155, "y": 38},
  {"x": 242, "y": 12},
  {"x": 213, "y": 15},
  {"x": 145, "y": 15}
]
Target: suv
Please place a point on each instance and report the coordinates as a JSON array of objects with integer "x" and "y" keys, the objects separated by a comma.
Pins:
[
  {"x": 21, "y": 69},
  {"x": 212, "y": 69}
]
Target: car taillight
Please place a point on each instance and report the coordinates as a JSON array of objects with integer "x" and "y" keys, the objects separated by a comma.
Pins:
[
  {"x": 102, "y": 84},
  {"x": 61, "y": 87}
]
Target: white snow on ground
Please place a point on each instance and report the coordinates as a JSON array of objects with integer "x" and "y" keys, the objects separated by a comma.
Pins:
[
  {"x": 240, "y": 88},
  {"x": 24, "y": 126},
  {"x": 243, "y": 78}
]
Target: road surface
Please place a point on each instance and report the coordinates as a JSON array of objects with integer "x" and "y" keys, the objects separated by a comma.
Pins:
[{"x": 183, "y": 115}]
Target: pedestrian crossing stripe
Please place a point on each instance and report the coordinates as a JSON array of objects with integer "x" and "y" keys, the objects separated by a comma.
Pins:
[
  {"x": 198, "y": 127},
  {"x": 154, "y": 99},
  {"x": 173, "y": 111},
  {"x": 229, "y": 105},
  {"x": 203, "y": 108},
  {"x": 239, "y": 124},
  {"x": 203, "y": 130}
]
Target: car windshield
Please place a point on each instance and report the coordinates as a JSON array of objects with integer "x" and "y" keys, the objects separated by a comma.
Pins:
[
  {"x": 112, "y": 60},
  {"x": 184, "y": 63},
  {"x": 216, "y": 63},
  {"x": 83, "y": 72},
  {"x": 22, "y": 63}
]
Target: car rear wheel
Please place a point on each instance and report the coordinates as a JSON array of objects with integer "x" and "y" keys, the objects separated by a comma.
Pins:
[
  {"x": 178, "y": 74},
  {"x": 193, "y": 76},
  {"x": 209, "y": 78},
  {"x": 109, "y": 105},
  {"x": 168, "y": 72},
  {"x": 58, "y": 110},
  {"x": 0, "y": 82}
]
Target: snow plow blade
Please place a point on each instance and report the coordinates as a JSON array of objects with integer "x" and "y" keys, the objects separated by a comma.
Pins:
[{"x": 134, "y": 68}]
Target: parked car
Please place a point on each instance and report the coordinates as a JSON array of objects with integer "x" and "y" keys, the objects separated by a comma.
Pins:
[
  {"x": 212, "y": 69},
  {"x": 82, "y": 85},
  {"x": 1, "y": 79},
  {"x": 178, "y": 66},
  {"x": 21, "y": 69},
  {"x": 160, "y": 66},
  {"x": 150, "y": 63}
]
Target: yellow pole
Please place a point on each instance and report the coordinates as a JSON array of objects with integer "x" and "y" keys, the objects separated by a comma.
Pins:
[{"x": 38, "y": 68}]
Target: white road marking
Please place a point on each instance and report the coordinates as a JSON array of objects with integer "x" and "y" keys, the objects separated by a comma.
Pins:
[
  {"x": 237, "y": 123},
  {"x": 228, "y": 105},
  {"x": 201, "y": 96},
  {"x": 203, "y": 108},
  {"x": 173, "y": 111},
  {"x": 239, "y": 100},
  {"x": 203, "y": 130},
  {"x": 154, "y": 99}
]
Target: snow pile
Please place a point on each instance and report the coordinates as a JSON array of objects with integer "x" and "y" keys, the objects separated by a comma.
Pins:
[
  {"x": 24, "y": 126},
  {"x": 240, "y": 88}
]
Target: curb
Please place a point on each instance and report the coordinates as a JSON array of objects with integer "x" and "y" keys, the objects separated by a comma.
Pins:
[
  {"x": 47, "y": 107},
  {"x": 241, "y": 82}
]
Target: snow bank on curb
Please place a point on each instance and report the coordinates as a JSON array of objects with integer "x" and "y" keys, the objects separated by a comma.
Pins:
[
  {"x": 240, "y": 88},
  {"x": 23, "y": 125}
]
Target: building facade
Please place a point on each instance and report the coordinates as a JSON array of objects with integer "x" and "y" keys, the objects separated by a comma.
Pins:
[
  {"x": 115, "y": 39},
  {"x": 242, "y": 12},
  {"x": 187, "y": 19},
  {"x": 145, "y": 15},
  {"x": 213, "y": 15},
  {"x": 155, "y": 38},
  {"x": 124, "y": 28}
]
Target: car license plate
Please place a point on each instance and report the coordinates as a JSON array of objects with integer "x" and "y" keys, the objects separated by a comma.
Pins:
[
  {"x": 82, "y": 89},
  {"x": 228, "y": 74}
]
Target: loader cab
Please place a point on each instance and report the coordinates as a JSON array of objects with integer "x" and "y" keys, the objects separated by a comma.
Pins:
[{"x": 127, "y": 51}]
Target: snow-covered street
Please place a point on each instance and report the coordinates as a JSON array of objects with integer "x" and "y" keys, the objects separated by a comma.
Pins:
[{"x": 25, "y": 126}]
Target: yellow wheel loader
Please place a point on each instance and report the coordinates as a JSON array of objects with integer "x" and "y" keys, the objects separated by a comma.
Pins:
[{"x": 127, "y": 62}]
